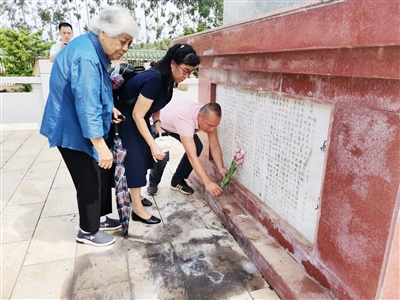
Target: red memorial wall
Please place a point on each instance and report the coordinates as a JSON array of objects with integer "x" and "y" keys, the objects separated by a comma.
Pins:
[{"x": 343, "y": 57}]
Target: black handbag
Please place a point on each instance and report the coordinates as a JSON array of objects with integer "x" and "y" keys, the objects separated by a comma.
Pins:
[{"x": 120, "y": 74}]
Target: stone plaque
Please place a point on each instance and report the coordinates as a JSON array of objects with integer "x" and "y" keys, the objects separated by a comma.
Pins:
[{"x": 285, "y": 141}]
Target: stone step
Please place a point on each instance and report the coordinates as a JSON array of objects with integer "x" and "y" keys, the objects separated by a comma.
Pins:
[{"x": 285, "y": 275}]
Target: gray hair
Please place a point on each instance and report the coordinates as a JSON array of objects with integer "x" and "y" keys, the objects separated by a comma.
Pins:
[{"x": 115, "y": 20}]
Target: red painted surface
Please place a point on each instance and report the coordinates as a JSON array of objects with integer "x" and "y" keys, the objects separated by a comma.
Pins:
[
  {"x": 344, "y": 62},
  {"x": 346, "y": 55},
  {"x": 288, "y": 283},
  {"x": 359, "y": 194},
  {"x": 391, "y": 283},
  {"x": 352, "y": 23}
]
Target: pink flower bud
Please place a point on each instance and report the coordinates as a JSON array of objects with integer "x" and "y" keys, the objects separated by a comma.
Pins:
[
  {"x": 243, "y": 151},
  {"x": 239, "y": 155},
  {"x": 240, "y": 161}
]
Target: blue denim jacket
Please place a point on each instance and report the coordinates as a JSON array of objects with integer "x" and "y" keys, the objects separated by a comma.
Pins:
[{"x": 80, "y": 102}]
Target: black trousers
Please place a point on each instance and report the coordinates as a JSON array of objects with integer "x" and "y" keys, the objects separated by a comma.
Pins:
[
  {"x": 93, "y": 187},
  {"x": 184, "y": 167}
]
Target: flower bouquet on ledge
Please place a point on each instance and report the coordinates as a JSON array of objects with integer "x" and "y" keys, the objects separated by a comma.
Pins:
[{"x": 237, "y": 160}]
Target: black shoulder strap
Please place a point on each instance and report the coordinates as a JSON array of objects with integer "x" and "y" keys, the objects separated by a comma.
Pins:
[{"x": 133, "y": 100}]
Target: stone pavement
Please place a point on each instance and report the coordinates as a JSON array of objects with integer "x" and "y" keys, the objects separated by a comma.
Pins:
[{"x": 190, "y": 255}]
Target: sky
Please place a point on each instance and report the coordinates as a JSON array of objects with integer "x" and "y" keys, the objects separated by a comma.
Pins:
[
  {"x": 141, "y": 23},
  {"x": 74, "y": 23},
  {"x": 140, "y": 17}
]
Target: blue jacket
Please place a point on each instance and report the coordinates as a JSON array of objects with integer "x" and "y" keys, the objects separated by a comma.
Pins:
[{"x": 80, "y": 102}]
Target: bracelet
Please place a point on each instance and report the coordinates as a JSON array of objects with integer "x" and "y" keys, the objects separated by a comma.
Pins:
[{"x": 154, "y": 123}]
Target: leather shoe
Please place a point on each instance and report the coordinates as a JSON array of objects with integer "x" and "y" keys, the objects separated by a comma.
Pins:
[
  {"x": 146, "y": 202},
  {"x": 151, "y": 220}
]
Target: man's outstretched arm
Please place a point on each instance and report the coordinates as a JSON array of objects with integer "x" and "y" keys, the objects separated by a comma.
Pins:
[
  {"x": 190, "y": 148},
  {"x": 216, "y": 152}
]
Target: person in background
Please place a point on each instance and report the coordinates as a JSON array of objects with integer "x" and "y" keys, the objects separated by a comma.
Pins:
[
  {"x": 153, "y": 89},
  {"x": 66, "y": 34},
  {"x": 182, "y": 120},
  {"x": 78, "y": 116}
]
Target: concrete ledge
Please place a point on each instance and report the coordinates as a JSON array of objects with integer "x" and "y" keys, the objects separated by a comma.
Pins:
[
  {"x": 22, "y": 107},
  {"x": 286, "y": 276},
  {"x": 19, "y": 80}
]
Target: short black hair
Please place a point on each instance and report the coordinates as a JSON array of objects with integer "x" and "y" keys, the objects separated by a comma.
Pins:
[
  {"x": 211, "y": 107},
  {"x": 64, "y": 24}
]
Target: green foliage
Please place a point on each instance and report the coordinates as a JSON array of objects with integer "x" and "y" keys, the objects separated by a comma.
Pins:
[
  {"x": 22, "y": 49},
  {"x": 163, "y": 44},
  {"x": 16, "y": 11},
  {"x": 25, "y": 88},
  {"x": 196, "y": 72},
  {"x": 162, "y": 18},
  {"x": 187, "y": 17},
  {"x": 202, "y": 26},
  {"x": 195, "y": 16},
  {"x": 188, "y": 30}
]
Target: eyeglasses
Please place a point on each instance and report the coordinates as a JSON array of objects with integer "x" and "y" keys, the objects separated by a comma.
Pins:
[{"x": 186, "y": 71}]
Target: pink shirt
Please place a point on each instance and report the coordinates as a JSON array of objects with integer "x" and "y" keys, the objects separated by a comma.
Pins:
[{"x": 180, "y": 116}]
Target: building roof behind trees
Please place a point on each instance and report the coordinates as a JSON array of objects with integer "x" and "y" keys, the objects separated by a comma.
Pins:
[{"x": 133, "y": 54}]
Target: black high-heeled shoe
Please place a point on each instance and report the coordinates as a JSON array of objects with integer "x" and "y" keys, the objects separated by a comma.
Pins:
[
  {"x": 146, "y": 202},
  {"x": 151, "y": 220}
]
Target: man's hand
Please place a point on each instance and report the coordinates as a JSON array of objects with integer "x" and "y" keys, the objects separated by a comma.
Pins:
[
  {"x": 160, "y": 133},
  {"x": 157, "y": 128},
  {"x": 214, "y": 189},
  {"x": 62, "y": 45},
  {"x": 223, "y": 172}
]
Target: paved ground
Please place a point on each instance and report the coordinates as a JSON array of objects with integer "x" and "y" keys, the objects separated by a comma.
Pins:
[{"x": 190, "y": 255}]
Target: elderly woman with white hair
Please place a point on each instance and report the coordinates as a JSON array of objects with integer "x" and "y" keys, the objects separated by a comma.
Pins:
[{"x": 78, "y": 116}]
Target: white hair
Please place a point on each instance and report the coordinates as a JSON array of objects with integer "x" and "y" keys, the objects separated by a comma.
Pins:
[{"x": 115, "y": 20}]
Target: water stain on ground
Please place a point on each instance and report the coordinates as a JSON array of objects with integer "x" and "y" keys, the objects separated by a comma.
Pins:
[
  {"x": 219, "y": 273},
  {"x": 184, "y": 260}
]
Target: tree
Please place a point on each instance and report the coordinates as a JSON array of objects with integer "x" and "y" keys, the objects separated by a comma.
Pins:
[
  {"x": 22, "y": 50},
  {"x": 195, "y": 15},
  {"x": 51, "y": 16},
  {"x": 15, "y": 10},
  {"x": 153, "y": 10},
  {"x": 163, "y": 44},
  {"x": 161, "y": 19}
]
